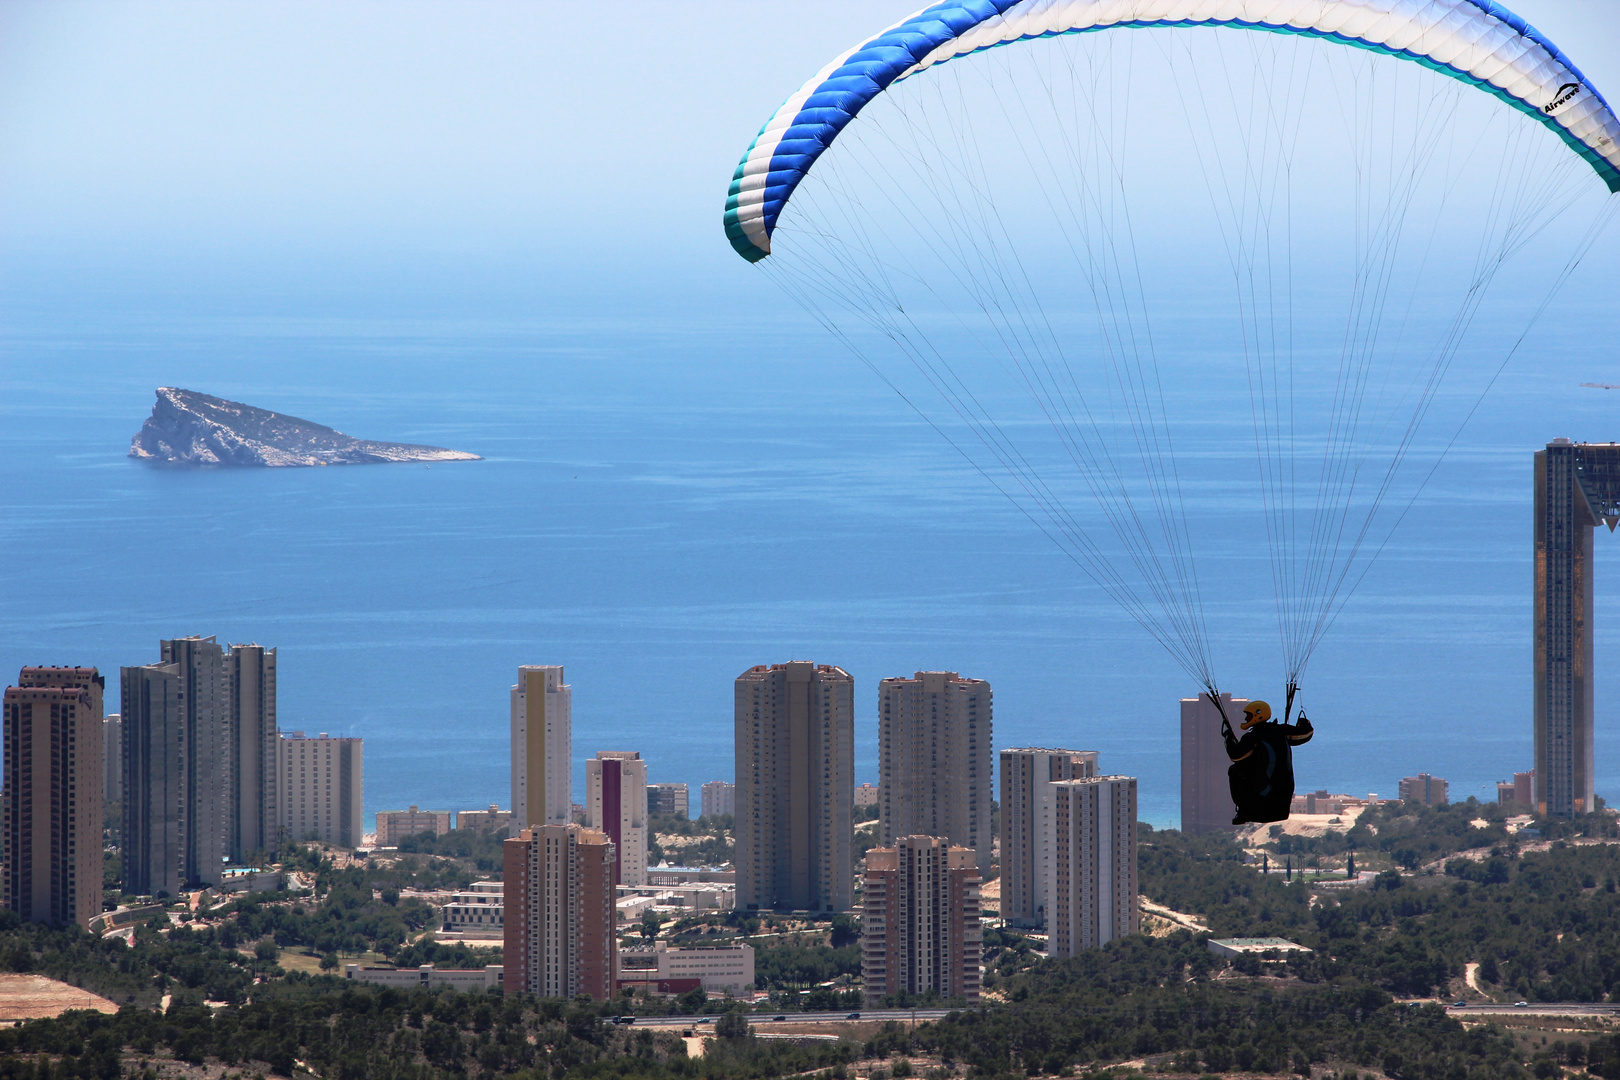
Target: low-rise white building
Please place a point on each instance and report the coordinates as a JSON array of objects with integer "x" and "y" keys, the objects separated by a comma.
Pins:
[
  {"x": 477, "y": 911},
  {"x": 1252, "y": 946},
  {"x": 630, "y": 908},
  {"x": 664, "y": 874},
  {"x": 487, "y": 978},
  {"x": 709, "y": 897},
  {"x": 725, "y": 969}
]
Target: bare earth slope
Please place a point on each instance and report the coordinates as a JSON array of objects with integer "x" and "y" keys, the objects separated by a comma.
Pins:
[
  {"x": 28, "y": 997},
  {"x": 188, "y": 428}
]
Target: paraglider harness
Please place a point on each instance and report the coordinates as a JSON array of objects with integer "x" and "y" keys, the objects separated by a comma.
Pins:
[{"x": 1262, "y": 771}]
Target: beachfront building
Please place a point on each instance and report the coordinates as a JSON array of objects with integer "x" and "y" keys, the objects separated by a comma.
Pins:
[
  {"x": 321, "y": 789},
  {"x": 668, "y": 799},
  {"x": 395, "y": 825},
  {"x": 1424, "y": 789},
  {"x": 492, "y": 820},
  {"x": 719, "y": 798}
]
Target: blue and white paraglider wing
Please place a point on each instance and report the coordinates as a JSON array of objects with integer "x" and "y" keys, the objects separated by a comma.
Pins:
[{"x": 1476, "y": 41}]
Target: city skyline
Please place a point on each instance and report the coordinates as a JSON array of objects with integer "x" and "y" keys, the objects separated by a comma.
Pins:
[{"x": 264, "y": 660}]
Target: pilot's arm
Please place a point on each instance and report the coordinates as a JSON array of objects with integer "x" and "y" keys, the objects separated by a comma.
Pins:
[{"x": 1235, "y": 748}]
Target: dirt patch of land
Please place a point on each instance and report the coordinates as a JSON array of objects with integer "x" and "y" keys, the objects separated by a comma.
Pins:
[
  {"x": 30, "y": 997},
  {"x": 990, "y": 896}
]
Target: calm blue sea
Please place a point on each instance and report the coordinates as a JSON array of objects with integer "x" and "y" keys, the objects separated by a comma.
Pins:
[{"x": 667, "y": 500}]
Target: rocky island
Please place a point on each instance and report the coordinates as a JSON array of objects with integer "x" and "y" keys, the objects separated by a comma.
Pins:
[{"x": 188, "y": 428}]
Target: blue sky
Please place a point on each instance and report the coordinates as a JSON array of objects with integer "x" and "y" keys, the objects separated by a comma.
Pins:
[{"x": 550, "y": 141}]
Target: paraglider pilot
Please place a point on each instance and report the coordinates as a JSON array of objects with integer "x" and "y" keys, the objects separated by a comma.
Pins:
[{"x": 1262, "y": 772}]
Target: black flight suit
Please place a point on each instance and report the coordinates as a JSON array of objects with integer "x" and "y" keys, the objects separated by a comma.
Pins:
[{"x": 1262, "y": 772}]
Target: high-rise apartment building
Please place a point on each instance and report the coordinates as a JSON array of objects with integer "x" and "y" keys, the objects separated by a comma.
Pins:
[
  {"x": 395, "y": 825},
  {"x": 719, "y": 798},
  {"x": 1424, "y": 789},
  {"x": 668, "y": 799},
  {"x": 920, "y": 920},
  {"x": 934, "y": 760},
  {"x": 542, "y": 751},
  {"x": 51, "y": 795},
  {"x": 1025, "y": 822},
  {"x": 112, "y": 762},
  {"x": 1206, "y": 792},
  {"x": 250, "y": 680},
  {"x": 1091, "y": 884},
  {"x": 204, "y": 702},
  {"x": 558, "y": 899},
  {"x": 321, "y": 789},
  {"x": 152, "y": 848},
  {"x": 795, "y": 769},
  {"x": 616, "y": 803}
]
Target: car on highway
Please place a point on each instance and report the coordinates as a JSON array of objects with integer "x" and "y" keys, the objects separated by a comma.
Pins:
[
  {"x": 1521, "y": 1004},
  {"x": 1459, "y": 1004},
  {"x": 853, "y": 1016},
  {"x": 778, "y": 1018}
]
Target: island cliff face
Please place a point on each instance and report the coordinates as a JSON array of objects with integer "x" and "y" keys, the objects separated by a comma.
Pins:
[{"x": 188, "y": 428}]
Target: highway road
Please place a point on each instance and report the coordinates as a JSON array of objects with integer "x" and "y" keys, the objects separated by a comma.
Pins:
[
  {"x": 1538, "y": 1008},
  {"x": 795, "y": 1018}
]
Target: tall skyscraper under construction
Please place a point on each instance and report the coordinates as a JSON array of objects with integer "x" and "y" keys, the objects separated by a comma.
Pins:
[{"x": 1577, "y": 485}]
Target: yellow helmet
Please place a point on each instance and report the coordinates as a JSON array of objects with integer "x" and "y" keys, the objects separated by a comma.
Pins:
[{"x": 1255, "y": 712}]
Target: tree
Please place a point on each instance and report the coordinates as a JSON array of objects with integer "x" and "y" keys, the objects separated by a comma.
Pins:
[
  {"x": 732, "y": 1025},
  {"x": 651, "y": 922}
]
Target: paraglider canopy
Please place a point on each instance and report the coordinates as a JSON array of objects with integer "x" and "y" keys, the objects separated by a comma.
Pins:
[{"x": 1476, "y": 41}]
